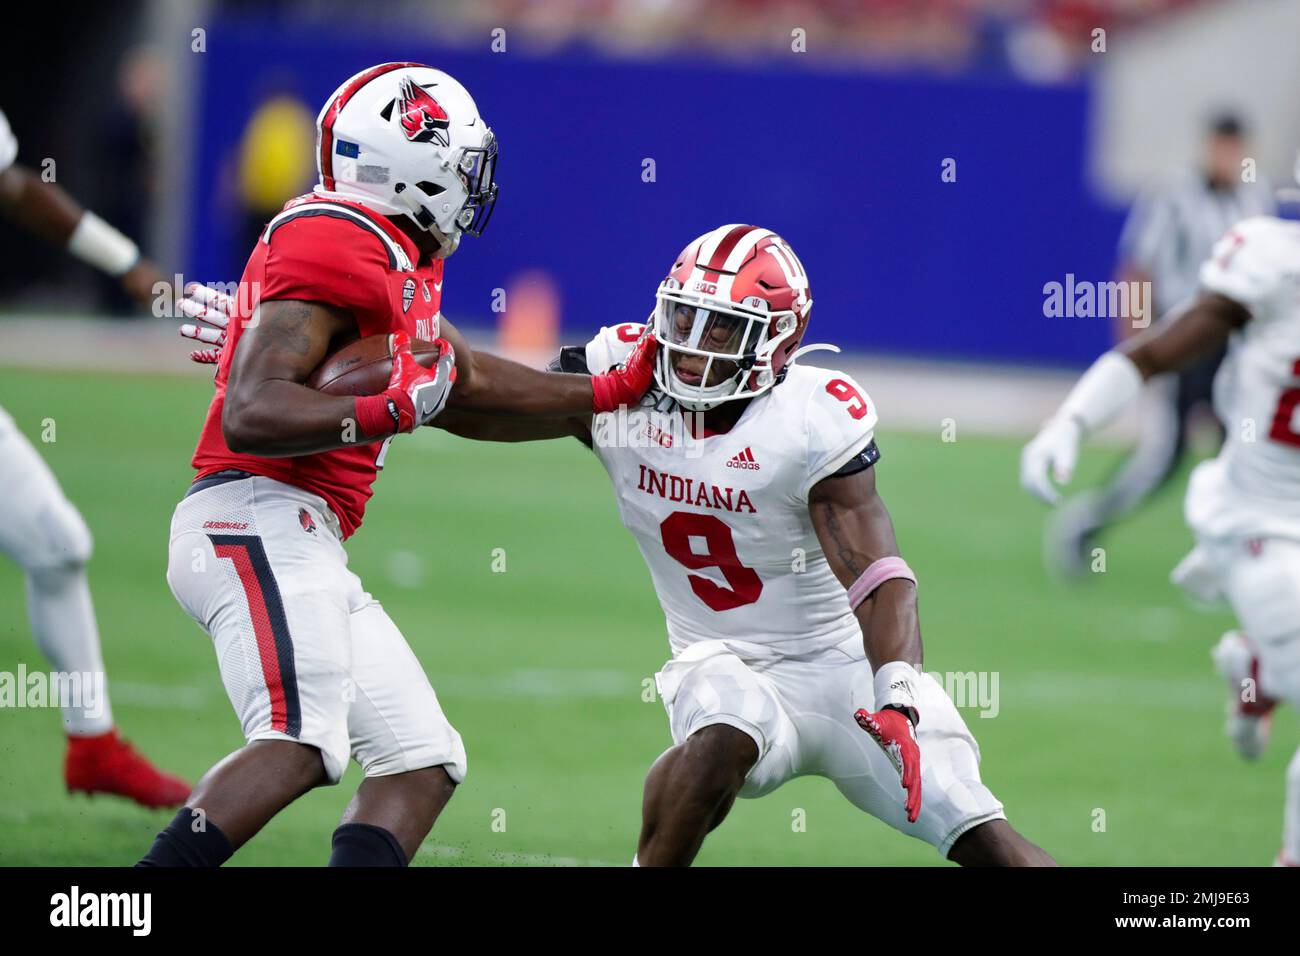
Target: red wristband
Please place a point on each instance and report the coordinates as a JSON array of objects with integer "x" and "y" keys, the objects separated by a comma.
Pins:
[
  {"x": 602, "y": 394},
  {"x": 375, "y": 416}
]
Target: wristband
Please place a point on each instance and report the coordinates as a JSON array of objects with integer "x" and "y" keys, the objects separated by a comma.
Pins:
[
  {"x": 97, "y": 243},
  {"x": 1106, "y": 388},
  {"x": 376, "y": 415},
  {"x": 604, "y": 397},
  {"x": 896, "y": 685},
  {"x": 880, "y": 571}
]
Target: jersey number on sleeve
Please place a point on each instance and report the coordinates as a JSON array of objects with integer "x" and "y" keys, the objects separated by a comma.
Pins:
[
  {"x": 1284, "y": 418},
  {"x": 679, "y": 528},
  {"x": 847, "y": 393}
]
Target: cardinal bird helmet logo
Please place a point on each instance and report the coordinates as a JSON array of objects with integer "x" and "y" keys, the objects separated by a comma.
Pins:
[
  {"x": 305, "y": 519},
  {"x": 422, "y": 119}
]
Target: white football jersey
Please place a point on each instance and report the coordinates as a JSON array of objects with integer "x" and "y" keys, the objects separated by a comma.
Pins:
[
  {"x": 723, "y": 520},
  {"x": 8, "y": 143},
  {"x": 1253, "y": 486}
]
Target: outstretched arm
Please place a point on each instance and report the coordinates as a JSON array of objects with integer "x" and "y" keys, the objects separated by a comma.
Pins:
[
  {"x": 481, "y": 427},
  {"x": 487, "y": 383},
  {"x": 1115, "y": 380},
  {"x": 45, "y": 210},
  {"x": 1199, "y": 330}
]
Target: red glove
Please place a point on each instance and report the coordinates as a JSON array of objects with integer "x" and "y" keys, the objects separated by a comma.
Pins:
[
  {"x": 893, "y": 731},
  {"x": 415, "y": 395},
  {"x": 626, "y": 384}
]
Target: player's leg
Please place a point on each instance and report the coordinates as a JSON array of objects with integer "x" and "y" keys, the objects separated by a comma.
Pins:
[
  {"x": 689, "y": 791},
  {"x": 1249, "y": 712},
  {"x": 997, "y": 843},
  {"x": 272, "y": 596},
  {"x": 47, "y": 537},
  {"x": 241, "y": 794},
  {"x": 412, "y": 755},
  {"x": 1289, "y": 854},
  {"x": 390, "y": 816},
  {"x": 959, "y": 816},
  {"x": 1262, "y": 582},
  {"x": 732, "y": 738}
]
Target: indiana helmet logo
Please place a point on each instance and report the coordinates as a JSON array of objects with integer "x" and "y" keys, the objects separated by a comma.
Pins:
[
  {"x": 305, "y": 519},
  {"x": 422, "y": 119}
]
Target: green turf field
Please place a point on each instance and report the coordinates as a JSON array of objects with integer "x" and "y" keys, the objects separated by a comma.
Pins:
[{"x": 1107, "y": 698}]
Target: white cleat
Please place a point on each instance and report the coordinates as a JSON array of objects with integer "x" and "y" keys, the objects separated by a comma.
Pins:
[{"x": 1250, "y": 713}]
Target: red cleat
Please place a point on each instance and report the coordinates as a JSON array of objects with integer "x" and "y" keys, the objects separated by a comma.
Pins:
[{"x": 108, "y": 764}]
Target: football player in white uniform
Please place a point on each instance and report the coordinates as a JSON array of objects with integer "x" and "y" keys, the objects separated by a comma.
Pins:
[
  {"x": 42, "y": 531},
  {"x": 1244, "y": 505},
  {"x": 749, "y": 484}
]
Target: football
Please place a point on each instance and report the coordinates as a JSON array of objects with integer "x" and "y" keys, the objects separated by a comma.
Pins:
[{"x": 363, "y": 367}]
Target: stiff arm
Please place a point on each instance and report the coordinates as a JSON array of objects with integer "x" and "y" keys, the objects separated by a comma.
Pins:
[
  {"x": 488, "y": 384},
  {"x": 518, "y": 411}
]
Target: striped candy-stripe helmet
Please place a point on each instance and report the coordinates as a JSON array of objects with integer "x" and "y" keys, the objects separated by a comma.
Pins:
[
  {"x": 406, "y": 139},
  {"x": 729, "y": 316}
]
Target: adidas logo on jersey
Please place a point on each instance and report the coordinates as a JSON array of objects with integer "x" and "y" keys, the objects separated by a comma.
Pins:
[{"x": 744, "y": 460}]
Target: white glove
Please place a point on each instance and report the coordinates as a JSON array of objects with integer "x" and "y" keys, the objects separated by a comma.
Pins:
[
  {"x": 212, "y": 309},
  {"x": 1110, "y": 384},
  {"x": 1051, "y": 455}
]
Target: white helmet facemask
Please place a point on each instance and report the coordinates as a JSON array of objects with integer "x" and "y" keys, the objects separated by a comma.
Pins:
[{"x": 713, "y": 351}]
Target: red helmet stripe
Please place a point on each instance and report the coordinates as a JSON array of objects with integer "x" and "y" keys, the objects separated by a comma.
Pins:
[
  {"x": 336, "y": 107},
  {"x": 729, "y": 241}
]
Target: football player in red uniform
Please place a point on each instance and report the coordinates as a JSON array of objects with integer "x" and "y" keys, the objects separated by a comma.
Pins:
[
  {"x": 43, "y": 531},
  {"x": 313, "y": 665}
]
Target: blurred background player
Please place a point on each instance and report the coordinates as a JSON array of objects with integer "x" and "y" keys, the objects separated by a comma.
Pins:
[
  {"x": 1169, "y": 233},
  {"x": 1244, "y": 505},
  {"x": 43, "y": 532}
]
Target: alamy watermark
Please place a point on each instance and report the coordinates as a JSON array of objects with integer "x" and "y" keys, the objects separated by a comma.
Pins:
[
  {"x": 80, "y": 690},
  {"x": 1084, "y": 299},
  {"x": 641, "y": 428}
]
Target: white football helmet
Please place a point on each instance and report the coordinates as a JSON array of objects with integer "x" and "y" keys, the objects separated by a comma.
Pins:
[{"x": 406, "y": 139}]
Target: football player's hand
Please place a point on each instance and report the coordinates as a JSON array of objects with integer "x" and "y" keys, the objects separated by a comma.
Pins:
[
  {"x": 626, "y": 384},
  {"x": 1050, "y": 456},
  {"x": 143, "y": 282},
  {"x": 418, "y": 394},
  {"x": 211, "y": 310},
  {"x": 893, "y": 730}
]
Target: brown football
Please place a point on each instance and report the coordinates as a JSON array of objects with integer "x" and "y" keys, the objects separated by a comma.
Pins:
[{"x": 362, "y": 367}]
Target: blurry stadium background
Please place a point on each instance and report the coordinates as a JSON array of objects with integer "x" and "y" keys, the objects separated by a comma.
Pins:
[{"x": 628, "y": 127}]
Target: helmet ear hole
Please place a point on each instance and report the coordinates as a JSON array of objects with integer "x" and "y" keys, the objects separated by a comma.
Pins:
[{"x": 430, "y": 189}]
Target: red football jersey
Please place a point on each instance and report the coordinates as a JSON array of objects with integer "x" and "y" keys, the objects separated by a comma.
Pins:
[{"x": 340, "y": 253}]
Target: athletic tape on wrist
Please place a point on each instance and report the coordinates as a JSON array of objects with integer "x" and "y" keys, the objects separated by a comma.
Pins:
[{"x": 97, "y": 243}]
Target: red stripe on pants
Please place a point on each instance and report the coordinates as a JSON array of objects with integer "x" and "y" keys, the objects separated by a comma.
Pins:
[{"x": 238, "y": 556}]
